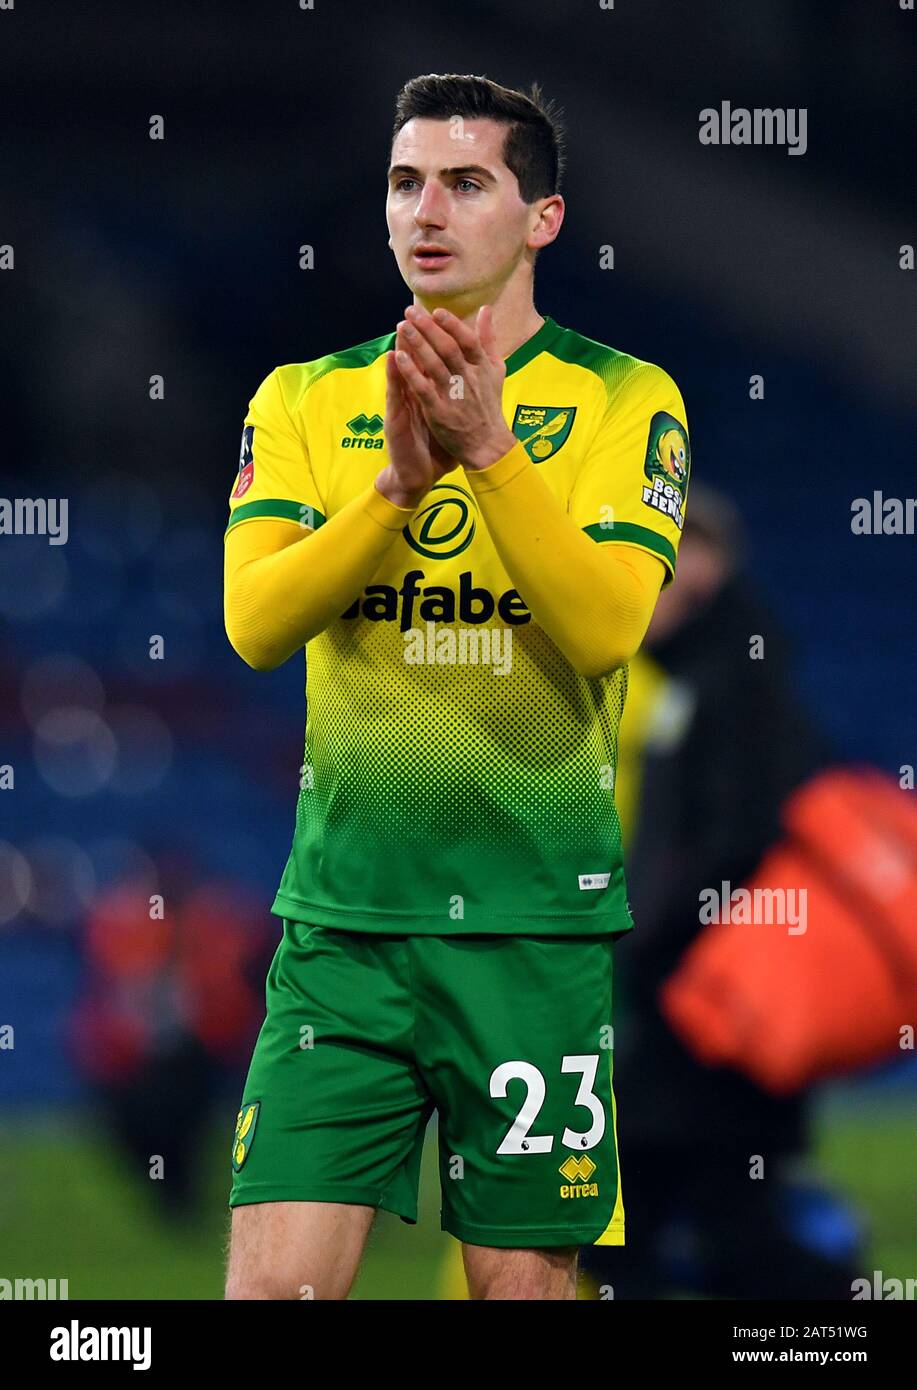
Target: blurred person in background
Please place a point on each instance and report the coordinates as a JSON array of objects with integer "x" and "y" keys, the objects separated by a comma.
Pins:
[
  {"x": 170, "y": 1006},
  {"x": 712, "y": 743}
]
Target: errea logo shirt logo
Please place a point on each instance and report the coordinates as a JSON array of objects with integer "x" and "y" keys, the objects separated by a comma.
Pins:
[{"x": 363, "y": 432}]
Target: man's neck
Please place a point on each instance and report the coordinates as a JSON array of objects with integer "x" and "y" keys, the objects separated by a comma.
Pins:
[
  {"x": 507, "y": 344},
  {"x": 511, "y": 328}
]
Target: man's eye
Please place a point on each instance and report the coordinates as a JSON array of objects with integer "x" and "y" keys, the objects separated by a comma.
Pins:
[
  {"x": 471, "y": 182},
  {"x": 401, "y": 182}
]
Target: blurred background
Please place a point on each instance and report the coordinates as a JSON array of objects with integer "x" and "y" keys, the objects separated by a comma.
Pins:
[{"x": 147, "y": 768}]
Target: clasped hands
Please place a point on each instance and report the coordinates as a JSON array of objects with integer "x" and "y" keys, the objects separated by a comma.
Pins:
[{"x": 444, "y": 397}]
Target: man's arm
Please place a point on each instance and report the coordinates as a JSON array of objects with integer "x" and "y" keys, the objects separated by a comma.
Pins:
[
  {"x": 594, "y": 601},
  {"x": 282, "y": 587}
]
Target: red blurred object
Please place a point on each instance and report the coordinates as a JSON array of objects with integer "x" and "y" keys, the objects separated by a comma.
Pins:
[
  {"x": 152, "y": 979},
  {"x": 216, "y": 937},
  {"x": 122, "y": 938},
  {"x": 110, "y": 1044},
  {"x": 791, "y": 1009}
]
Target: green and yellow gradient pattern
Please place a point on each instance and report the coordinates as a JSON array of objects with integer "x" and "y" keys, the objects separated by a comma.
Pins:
[{"x": 442, "y": 797}]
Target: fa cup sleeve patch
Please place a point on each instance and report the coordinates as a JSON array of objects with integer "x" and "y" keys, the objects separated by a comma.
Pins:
[{"x": 246, "y": 463}]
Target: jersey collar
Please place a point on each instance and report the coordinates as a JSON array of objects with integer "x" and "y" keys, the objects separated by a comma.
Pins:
[{"x": 539, "y": 340}]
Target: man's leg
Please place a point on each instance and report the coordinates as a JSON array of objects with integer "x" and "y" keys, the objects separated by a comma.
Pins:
[
  {"x": 526, "y": 1274},
  {"x": 513, "y": 1043},
  {"x": 287, "y": 1250},
  {"x": 332, "y": 1116}
]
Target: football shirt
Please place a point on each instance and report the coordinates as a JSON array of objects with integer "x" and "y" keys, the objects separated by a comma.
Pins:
[{"x": 459, "y": 772}]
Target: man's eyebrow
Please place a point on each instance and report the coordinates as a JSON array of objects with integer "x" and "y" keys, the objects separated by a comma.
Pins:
[{"x": 458, "y": 170}]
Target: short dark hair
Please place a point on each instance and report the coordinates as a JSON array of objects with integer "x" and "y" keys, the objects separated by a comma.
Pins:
[{"x": 534, "y": 145}]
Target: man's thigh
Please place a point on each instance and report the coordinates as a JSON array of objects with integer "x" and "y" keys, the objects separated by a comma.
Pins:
[
  {"x": 515, "y": 1044},
  {"x": 333, "y": 1110},
  {"x": 295, "y": 1250}
]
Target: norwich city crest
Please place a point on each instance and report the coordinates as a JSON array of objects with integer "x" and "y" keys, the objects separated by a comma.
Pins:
[
  {"x": 543, "y": 429},
  {"x": 245, "y": 1133}
]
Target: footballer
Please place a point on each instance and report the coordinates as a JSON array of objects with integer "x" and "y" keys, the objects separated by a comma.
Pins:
[{"x": 465, "y": 523}]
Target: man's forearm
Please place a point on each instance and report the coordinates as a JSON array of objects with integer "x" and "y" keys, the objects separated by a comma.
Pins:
[
  {"x": 594, "y": 602},
  {"x": 275, "y": 600}
]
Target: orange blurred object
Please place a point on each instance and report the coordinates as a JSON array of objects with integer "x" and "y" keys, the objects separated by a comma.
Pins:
[
  {"x": 217, "y": 937},
  {"x": 123, "y": 938},
  {"x": 789, "y": 1007},
  {"x": 153, "y": 977}
]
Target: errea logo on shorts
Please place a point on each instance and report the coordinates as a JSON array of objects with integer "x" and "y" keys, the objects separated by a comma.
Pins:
[
  {"x": 578, "y": 1171},
  {"x": 594, "y": 880}
]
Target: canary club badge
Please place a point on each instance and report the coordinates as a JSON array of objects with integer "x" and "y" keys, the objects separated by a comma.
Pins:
[
  {"x": 246, "y": 463},
  {"x": 543, "y": 429},
  {"x": 245, "y": 1133}
]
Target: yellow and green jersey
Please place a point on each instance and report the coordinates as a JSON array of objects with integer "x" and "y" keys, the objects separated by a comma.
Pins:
[{"x": 459, "y": 772}]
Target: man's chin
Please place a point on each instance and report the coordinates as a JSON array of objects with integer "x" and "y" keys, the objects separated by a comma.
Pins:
[
  {"x": 441, "y": 281},
  {"x": 441, "y": 289}
]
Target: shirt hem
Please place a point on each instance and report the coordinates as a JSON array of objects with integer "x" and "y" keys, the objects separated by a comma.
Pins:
[{"x": 313, "y": 914}]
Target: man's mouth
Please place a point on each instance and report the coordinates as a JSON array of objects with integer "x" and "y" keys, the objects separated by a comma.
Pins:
[{"x": 431, "y": 257}]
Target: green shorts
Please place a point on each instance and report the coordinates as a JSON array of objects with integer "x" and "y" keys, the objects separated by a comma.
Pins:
[{"x": 509, "y": 1038}]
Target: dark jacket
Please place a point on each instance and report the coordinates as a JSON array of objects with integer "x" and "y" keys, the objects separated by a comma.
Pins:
[{"x": 709, "y": 807}]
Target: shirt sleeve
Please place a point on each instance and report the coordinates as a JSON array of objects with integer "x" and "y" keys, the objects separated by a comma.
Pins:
[
  {"x": 632, "y": 485},
  {"x": 594, "y": 604},
  {"x": 275, "y": 476}
]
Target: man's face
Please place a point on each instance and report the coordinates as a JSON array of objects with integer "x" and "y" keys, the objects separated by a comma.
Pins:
[{"x": 448, "y": 188}]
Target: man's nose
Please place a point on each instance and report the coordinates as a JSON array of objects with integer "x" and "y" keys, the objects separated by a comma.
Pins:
[{"x": 431, "y": 207}]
